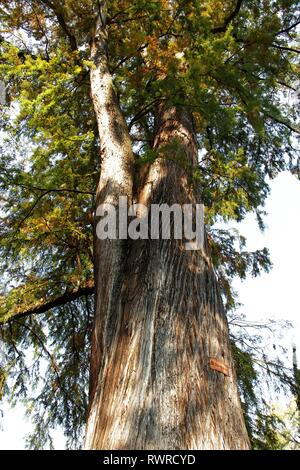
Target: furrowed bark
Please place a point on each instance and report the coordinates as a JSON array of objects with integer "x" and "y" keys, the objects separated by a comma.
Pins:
[
  {"x": 115, "y": 180},
  {"x": 155, "y": 388}
]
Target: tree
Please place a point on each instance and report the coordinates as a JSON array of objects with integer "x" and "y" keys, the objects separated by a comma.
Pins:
[
  {"x": 166, "y": 79},
  {"x": 279, "y": 429}
]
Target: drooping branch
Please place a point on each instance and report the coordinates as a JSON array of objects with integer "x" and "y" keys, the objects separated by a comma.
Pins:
[
  {"x": 59, "y": 301},
  {"x": 54, "y": 367},
  {"x": 229, "y": 19}
]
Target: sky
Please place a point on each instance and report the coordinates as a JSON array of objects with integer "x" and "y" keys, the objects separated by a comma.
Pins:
[{"x": 274, "y": 295}]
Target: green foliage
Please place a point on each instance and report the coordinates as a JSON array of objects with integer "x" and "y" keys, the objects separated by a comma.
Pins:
[
  {"x": 278, "y": 429},
  {"x": 261, "y": 372},
  {"x": 46, "y": 368},
  {"x": 248, "y": 380}
]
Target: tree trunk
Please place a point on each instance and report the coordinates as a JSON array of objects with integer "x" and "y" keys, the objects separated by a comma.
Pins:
[
  {"x": 159, "y": 316},
  {"x": 116, "y": 180}
]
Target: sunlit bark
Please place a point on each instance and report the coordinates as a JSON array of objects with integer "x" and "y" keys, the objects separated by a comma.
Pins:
[{"x": 159, "y": 316}]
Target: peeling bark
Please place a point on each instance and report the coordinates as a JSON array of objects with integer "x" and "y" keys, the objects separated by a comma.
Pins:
[{"x": 159, "y": 320}]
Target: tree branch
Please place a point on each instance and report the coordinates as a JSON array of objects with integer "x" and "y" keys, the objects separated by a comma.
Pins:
[
  {"x": 59, "y": 301},
  {"x": 62, "y": 23},
  {"x": 288, "y": 29},
  {"x": 283, "y": 123},
  {"x": 102, "y": 11},
  {"x": 44, "y": 193},
  {"x": 285, "y": 48},
  {"x": 52, "y": 362},
  {"x": 222, "y": 29},
  {"x": 51, "y": 190}
]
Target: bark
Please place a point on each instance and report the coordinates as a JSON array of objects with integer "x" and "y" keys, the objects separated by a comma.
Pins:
[
  {"x": 157, "y": 327},
  {"x": 159, "y": 316},
  {"x": 115, "y": 180}
]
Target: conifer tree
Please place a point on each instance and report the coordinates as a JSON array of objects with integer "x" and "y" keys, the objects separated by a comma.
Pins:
[{"x": 163, "y": 102}]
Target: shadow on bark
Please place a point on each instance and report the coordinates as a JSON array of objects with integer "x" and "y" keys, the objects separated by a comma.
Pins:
[{"x": 159, "y": 318}]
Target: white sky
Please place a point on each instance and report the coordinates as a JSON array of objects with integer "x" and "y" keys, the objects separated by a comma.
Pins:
[
  {"x": 276, "y": 294},
  {"x": 273, "y": 295}
]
